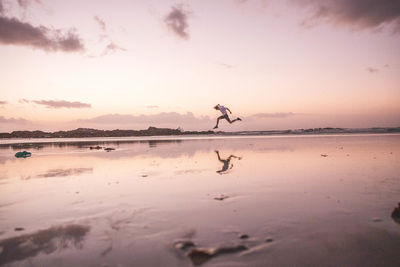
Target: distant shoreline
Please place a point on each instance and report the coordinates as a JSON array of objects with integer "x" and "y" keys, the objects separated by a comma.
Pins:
[{"x": 153, "y": 131}]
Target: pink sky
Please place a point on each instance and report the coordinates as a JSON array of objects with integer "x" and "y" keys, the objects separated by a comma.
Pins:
[{"x": 131, "y": 64}]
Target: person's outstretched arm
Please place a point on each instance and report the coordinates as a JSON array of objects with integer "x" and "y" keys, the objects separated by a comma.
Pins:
[{"x": 229, "y": 110}]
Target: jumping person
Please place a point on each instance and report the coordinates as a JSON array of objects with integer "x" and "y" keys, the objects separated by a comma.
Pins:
[{"x": 224, "y": 115}]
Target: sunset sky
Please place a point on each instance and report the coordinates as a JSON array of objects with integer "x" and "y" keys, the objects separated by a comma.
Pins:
[{"x": 131, "y": 64}]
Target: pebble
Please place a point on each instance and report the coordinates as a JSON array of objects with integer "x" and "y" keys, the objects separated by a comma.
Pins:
[
  {"x": 222, "y": 197},
  {"x": 244, "y": 236}
]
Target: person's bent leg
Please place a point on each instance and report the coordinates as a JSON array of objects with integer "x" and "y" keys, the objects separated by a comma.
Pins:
[{"x": 220, "y": 117}]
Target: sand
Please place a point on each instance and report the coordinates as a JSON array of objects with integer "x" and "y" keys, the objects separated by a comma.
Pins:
[{"x": 268, "y": 201}]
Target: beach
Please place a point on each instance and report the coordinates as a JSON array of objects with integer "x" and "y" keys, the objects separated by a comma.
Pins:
[{"x": 316, "y": 200}]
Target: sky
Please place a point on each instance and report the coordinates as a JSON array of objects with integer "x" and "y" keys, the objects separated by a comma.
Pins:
[{"x": 277, "y": 64}]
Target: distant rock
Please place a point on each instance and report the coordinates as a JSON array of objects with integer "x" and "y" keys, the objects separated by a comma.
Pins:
[
  {"x": 87, "y": 132},
  {"x": 96, "y": 147},
  {"x": 324, "y": 155},
  {"x": 108, "y": 149}
]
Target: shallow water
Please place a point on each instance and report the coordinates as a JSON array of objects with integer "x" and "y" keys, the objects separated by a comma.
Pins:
[{"x": 302, "y": 201}]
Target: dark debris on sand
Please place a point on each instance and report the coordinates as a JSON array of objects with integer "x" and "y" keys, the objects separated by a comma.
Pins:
[
  {"x": 396, "y": 214},
  {"x": 200, "y": 255},
  {"x": 222, "y": 197}
]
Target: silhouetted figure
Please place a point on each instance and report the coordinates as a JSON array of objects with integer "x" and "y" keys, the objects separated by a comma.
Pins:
[
  {"x": 396, "y": 214},
  {"x": 224, "y": 115},
  {"x": 227, "y": 165}
]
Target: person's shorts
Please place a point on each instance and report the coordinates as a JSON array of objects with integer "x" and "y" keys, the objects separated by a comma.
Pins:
[{"x": 224, "y": 117}]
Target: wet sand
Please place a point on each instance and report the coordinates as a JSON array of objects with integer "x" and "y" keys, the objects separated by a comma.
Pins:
[{"x": 248, "y": 201}]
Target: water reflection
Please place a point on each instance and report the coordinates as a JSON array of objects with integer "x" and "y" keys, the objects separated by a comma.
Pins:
[
  {"x": 43, "y": 241},
  {"x": 396, "y": 214},
  {"x": 226, "y": 163},
  {"x": 64, "y": 172}
]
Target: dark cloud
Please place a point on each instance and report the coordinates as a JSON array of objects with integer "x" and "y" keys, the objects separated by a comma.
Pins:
[
  {"x": 357, "y": 13},
  {"x": 3, "y": 102},
  {"x": 12, "y": 120},
  {"x": 176, "y": 21},
  {"x": 274, "y": 115},
  {"x": 372, "y": 70},
  {"x": 61, "y": 104},
  {"x": 101, "y": 22},
  {"x": 15, "y": 32}
]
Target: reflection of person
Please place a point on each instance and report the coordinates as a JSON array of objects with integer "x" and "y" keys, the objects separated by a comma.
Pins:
[
  {"x": 224, "y": 115},
  {"x": 226, "y": 162}
]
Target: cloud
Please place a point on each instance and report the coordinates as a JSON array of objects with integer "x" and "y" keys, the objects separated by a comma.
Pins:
[
  {"x": 12, "y": 120},
  {"x": 101, "y": 23},
  {"x": 24, "y": 4},
  {"x": 274, "y": 115},
  {"x": 23, "y": 101},
  {"x": 372, "y": 70},
  {"x": 61, "y": 104},
  {"x": 360, "y": 14},
  {"x": 228, "y": 66},
  {"x": 15, "y": 32},
  {"x": 3, "y": 102},
  {"x": 152, "y": 106},
  {"x": 176, "y": 21},
  {"x": 112, "y": 48},
  {"x": 163, "y": 117},
  {"x": 143, "y": 121}
]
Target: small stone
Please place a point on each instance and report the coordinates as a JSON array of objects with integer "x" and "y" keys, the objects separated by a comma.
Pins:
[
  {"x": 19, "y": 229},
  {"x": 244, "y": 236},
  {"x": 269, "y": 239},
  {"x": 220, "y": 198},
  {"x": 376, "y": 219},
  {"x": 324, "y": 155}
]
